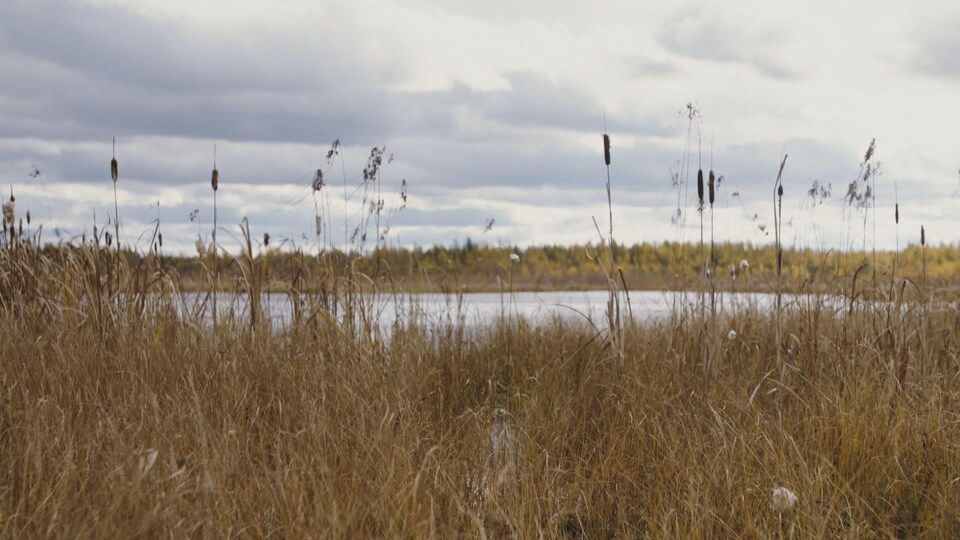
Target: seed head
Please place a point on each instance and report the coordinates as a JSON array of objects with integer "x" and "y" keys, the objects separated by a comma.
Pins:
[
  {"x": 711, "y": 185},
  {"x": 606, "y": 149},
  {"x": 896, "y": 213},
  {"x": 317, "y": 180},
  {"x": 514, "y": 258},
  {"x": 732, "y": 335},
  {"x": 113, "y": 169},
  {"x": 318, "y": 224},
  {"x": 700, "y": 185},
  {"x": 215, "y": 179},
  {"x": 783, "y": 499},
  {"x": 266, "y": 239},
  {"x": 160, "y": 238},
  {"x": 780, "y": 191},
  {"x": 923, "y": 236},
  {"x": 744, "y": 265},
  {"x": 8, "y": 208}
]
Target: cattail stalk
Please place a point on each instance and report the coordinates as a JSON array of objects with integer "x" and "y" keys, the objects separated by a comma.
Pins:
[
  {"x": 215, "y": 184},
  {"x": 777, "y": 225},
  {"x": 613, "y": 302},
  {"x": 114, "y": 174}
]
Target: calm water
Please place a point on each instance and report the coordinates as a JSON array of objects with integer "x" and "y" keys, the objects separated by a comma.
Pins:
[{"x": 477, "y": 308}]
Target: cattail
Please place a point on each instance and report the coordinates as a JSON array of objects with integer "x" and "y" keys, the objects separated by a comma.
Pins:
[
  {"x": 28, "y": 217},
  {"x": 113, "y": 162},
  {"x": 923, "y": 236},
  {"x": 318, "y": 223},
  {"x": 606, "y": 149},
  {"x": 317, "y": 180},
  {"x": 215, "y": 179},
  {"x": 8, "y": 214},
  {"x": 700, "y": 185},
  {"x": 266, "y": 239},
  {"x": 896, "y": 213},
  {"x": 711, "y": 185},
  {"x": 780, "y": 191},
  {"x": 109, "y": 238},
  {"x": 201, "y": 248},
  {"x": 160, "y": 238}
]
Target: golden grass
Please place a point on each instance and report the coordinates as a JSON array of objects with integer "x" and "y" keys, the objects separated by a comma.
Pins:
[{"x": 123, "y": 418}]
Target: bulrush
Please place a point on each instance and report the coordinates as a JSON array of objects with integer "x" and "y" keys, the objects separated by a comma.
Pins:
[
  {"x": 711, "y": 184},
  {"x": 700, "y": 186},
  {"x": 606, "y": 149},
  {"x": 8, "y": 211},
  {"x": 114, "y": 171}
]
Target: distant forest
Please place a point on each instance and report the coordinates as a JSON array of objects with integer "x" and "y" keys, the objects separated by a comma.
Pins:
[{"x": 472, "y": 267}]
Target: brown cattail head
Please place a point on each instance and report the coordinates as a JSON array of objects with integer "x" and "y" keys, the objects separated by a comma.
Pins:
[
  {"x": 317, "y": 180},
  {"x": 896, "y": 213},
  {"x": 160, "y": 238},
  {"x": 266, "y": 239},
  {"x": 923, "y": 236},
  {"x": 700, "y": 185},
  {"x": 215, "y": 179},
  {"x": 28, "y": 217},
  {"x": 606, "y": 149},
  {"x": 711, "y": 183},
  {"x": 780, "y": 191},
  {"x": 318, "y": 223},
  {"x": 113, "y": 169}
]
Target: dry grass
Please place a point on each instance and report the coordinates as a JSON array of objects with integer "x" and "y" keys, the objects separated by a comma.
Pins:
[{"x": 121, "y": 418}]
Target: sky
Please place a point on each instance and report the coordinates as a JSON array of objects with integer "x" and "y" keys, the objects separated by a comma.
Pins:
[{"x": 489, "y": 110}]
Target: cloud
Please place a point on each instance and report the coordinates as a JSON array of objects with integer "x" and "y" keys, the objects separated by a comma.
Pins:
[{"x": 490, "y": 111}]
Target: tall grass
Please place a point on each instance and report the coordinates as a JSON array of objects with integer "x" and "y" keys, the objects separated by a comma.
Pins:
[{"x": 131, "y": 418}]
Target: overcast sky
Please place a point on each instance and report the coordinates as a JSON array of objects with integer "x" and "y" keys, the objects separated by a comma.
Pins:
[{"x": 489, "y": 110}]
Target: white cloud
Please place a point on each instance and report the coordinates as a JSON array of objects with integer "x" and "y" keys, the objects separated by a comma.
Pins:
[{"x": 492, "y": 109}]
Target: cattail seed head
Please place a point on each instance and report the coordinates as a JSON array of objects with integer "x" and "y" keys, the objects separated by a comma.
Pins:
[
  {"x": 266, "y": 239},
  {"x": 700, "y": 185},
  {"x": 711, "y": 183},
  {"x": 318, "y": 224},
  {"x": 896, "y": 213},
  {"x": 28, "y": 217},
  {"x": 780, "y": 191},
  {"x": 113, "y": 169},
  {"x": 160, "y": 238},
  {"x": 215, "y": 179},
  {"x": 606, "y": 149},
  {"x": 317, "y": 180},
  {"x": 923, "y": 236},
  {"x": 8, "y": 212}
]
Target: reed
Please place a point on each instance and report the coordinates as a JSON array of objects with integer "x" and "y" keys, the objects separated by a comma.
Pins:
[
  {"x": 114, "y": 175},
  {"x": 778, "y": 225},
  {"x": 215, "y": 185}
]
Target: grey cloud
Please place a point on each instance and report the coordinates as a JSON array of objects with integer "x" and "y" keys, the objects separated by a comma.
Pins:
[{"x": 702, "y": 35}]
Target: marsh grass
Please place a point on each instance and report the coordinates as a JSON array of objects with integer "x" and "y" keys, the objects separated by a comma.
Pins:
[
  {"x": 155, "y": 428},
  {"x": 132, "y": 418}
]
